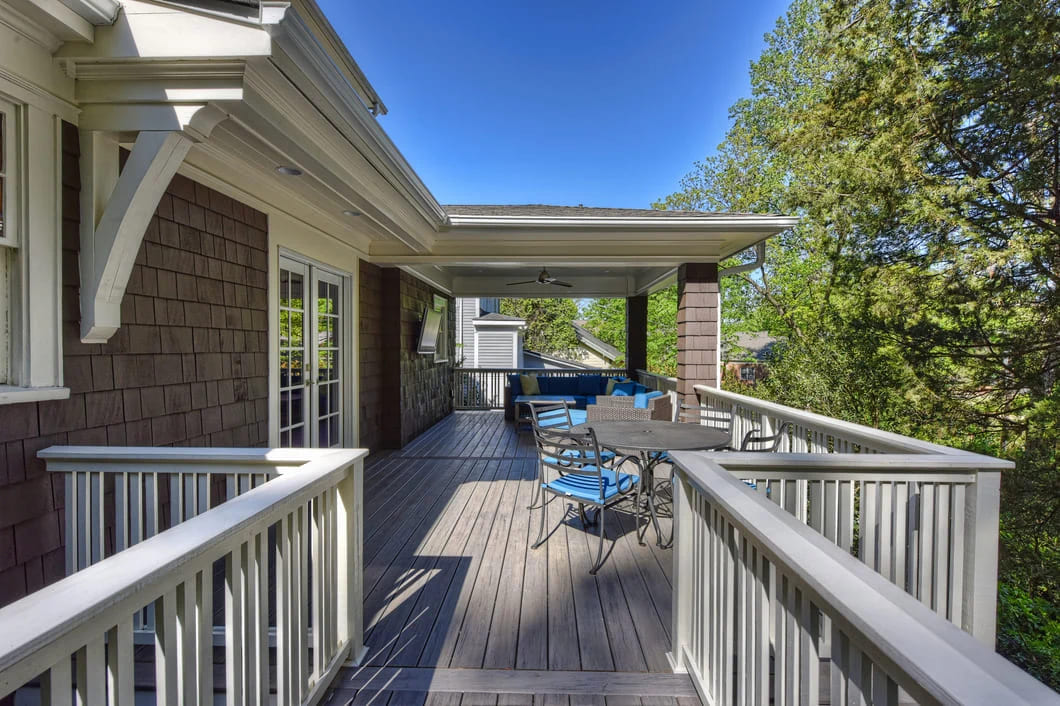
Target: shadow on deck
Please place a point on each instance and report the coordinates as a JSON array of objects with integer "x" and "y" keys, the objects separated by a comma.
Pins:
[{"x": 459, "y": 609}]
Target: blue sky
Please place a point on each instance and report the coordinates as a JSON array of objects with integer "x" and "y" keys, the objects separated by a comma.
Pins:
[{"x": 601, "y": 104}]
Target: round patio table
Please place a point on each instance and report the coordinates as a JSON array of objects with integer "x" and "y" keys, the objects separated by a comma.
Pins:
[{"x": 650, "y": 438}]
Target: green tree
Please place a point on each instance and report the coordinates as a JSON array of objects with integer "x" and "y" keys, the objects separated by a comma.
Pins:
[
  {"x": 548, "y": 323},
  {"x": 606, "y": 318},
  {"x": 919, "y": 142}
]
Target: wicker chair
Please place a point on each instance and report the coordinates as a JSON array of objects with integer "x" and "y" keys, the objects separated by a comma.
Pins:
[{"x": 619, "y": 408}]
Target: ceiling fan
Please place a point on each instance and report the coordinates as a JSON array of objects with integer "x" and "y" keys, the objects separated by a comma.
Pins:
[{"x": 543, "y": 278}]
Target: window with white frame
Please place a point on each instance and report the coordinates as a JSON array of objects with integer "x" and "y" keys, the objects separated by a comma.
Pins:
[
  {"x": 8, "y": 233},
  {"x": 747, "y": 373},
  {"x": 30, "y": 292},
  {"x": 441, "y": 348}
]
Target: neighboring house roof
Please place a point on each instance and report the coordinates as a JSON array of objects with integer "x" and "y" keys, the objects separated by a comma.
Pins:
[
  {"x": 493, "y": 316},
  {"x": 586, "y": 338},
  {"x": 556, "y": 360},
  {"x": 545, "y": 210},
  {"x": 749, "y": 346}
]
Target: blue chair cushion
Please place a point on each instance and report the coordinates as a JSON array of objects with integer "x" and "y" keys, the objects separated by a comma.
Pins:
[
  {"x": 588, "y": 487},
  {"x": 517, "y": 387},
  {"x": 605, "y": 455},
  {"x": 640, "y": 399},
  {"x": 624, "y": 389}
]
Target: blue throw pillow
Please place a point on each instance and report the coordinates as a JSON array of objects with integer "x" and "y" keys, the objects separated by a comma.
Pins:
[
  {"x": 624, "y": 389},
  {"x": 589, "y": 384},
  {"x": 545, "y": 383},
  {"x": 517, "y": 387}
]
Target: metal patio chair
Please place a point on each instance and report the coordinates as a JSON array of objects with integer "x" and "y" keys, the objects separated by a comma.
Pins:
[
  {"x": 755, "y": 440},
  {"x": 707, "y": 416},
  {"x": 573, "y": 456},
  {"x": 555, "y": 415}
]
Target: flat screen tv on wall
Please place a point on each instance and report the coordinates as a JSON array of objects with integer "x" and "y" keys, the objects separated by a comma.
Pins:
[{"x": 429, "y": 330}]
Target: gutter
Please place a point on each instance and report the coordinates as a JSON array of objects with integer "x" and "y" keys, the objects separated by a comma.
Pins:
[
  {"x": 760, "y": 259},
  {"x": 96, "y": 12}
]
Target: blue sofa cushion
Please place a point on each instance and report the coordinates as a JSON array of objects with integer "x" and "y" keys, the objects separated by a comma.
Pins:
[
  {"x": 517, "y": 387},
  {"x": 625, "y": 389},
  {"x": 590, "y": 384}
]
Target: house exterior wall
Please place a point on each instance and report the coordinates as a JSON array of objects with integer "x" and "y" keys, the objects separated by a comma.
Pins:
[
  {"x": 372, "y": 386},
  {"x": 426, "y": 387},
  {"x": 496, "y": 347},
  {"x": 187, "y": 368}
]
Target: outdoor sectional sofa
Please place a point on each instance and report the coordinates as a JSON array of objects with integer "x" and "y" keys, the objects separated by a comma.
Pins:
[{"x": 580, "y": 391}]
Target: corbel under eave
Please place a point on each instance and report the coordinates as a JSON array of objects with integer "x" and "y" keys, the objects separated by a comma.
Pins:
[{"x": 117, "y": 208}]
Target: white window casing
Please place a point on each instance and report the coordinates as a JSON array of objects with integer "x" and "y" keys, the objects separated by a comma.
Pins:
[{"x": 30, "y": 291}]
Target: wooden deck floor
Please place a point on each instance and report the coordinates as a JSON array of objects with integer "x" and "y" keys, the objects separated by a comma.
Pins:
[{"x": 459, "y": 609}]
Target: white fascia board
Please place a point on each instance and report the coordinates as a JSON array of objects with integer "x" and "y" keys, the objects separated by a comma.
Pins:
[
  {"x": 96, "y": 12},
  {"x": 331, "y": 41},
  {"x": 277, "y": 113},
  {"x": 730, "y": 223},
  {"x": 47, "y": 23},
  {"x": 500, "y": 324},
  {"x": 302, "y": 50},
  {"x": 146, "y": 31},
  {"x": 434, "y": 277}
]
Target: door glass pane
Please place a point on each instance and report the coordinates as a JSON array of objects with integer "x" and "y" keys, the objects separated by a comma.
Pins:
[
  {"x": 293, "y": 393},
  {"x": 310, "y": 356}
]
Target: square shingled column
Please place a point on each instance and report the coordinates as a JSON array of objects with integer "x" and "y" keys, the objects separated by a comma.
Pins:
[{"x": 697, "y": 328}]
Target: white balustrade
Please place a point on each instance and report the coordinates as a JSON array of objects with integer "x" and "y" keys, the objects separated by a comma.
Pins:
[
  {"x": 925, "y": 516},
  {"x": 767, "y": 610},
  {"x": 483, "y": 388},
  {"x": 77, "y": 634}
]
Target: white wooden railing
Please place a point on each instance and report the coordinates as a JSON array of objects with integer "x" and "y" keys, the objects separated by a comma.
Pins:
[
  {"x": 657, "y": 381},
  {"x": 307, "y": 522},
  {"x": 152, "y": 489},
  {"x": 813, "y": 433},
  {"x": 924, "y": 516},
  {"x": 483, "y": 388},
  {"x": 763, "y": 604}
]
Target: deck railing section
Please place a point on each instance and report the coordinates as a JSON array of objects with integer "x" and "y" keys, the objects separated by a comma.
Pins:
[
  {"x": 924, "y": 516},
  {"x": 77, "y": 634},
  {"x": 483, "y": 388},
  {"x": 812, "y": 433},
  {"x": 761, "y": 602},
  {"x": 657, "y": 381},
  {"x": 152, "y": 489}
]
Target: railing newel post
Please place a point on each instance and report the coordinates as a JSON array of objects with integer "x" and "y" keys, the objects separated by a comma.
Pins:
[{"x": 982, "y": 514}]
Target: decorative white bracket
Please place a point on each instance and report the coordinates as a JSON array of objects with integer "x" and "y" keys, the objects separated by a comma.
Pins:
[{"x": 117, "y": 208}]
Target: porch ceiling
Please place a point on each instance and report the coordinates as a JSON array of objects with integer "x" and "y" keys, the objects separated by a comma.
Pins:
[{"x": 603, "y": 252}]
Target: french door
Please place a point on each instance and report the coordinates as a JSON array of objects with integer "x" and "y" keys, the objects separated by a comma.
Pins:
[{"x": 312, "y": 323}]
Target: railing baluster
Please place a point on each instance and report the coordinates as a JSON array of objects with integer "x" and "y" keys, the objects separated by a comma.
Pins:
[
  {"x": 167, "y": 659},
  {"x": 204, "y": 633},
  {"x": 120, "y": 667},
  {"x": 316, "y": 537},
  {"x": 188, "y": 663},
  {"x": 56, "y": 687},
  {"x": 283, "y": 610},
  {"x": 235, "y": 594},
  {"x": 302, "y": 633},
  {"x": 926, "y": 583}
]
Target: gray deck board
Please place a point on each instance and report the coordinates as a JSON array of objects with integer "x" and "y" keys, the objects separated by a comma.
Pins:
[{"x": 454, "y": 592}]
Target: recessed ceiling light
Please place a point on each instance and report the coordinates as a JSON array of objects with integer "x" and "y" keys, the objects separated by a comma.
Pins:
[
  {"x": 351, "y": 213},
  {"x": 289, "y": 171}
]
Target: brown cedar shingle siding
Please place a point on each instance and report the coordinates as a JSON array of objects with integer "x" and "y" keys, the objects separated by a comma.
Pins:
[
  {"x": 398, "y": 402},
  {"x": 697, "y": 342},
  {"x": 189, "y": 366}
]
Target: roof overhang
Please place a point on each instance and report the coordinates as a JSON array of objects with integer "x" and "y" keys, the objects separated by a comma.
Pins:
[
  {"x": 601, "y": 256},
  {"x": 272, "y": 85}
]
